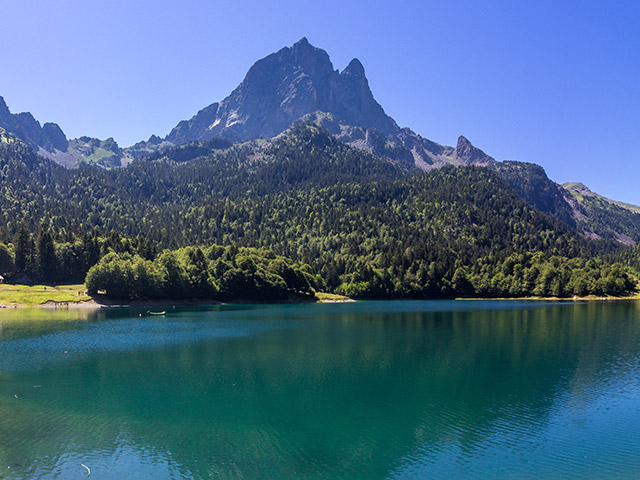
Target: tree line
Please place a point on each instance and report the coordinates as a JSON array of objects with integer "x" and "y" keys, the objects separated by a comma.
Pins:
[{"x": 215, "y": 272}]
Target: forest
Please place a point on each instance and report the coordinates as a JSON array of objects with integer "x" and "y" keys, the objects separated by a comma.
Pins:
[{"x": 342, "y": 219}]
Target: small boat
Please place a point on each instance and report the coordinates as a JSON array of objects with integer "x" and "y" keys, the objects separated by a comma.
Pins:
[{"x": 156, "y": 313}]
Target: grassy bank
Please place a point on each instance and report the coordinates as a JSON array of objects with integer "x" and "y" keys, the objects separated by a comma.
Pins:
[
  {"x": 43, "y": 295},
  {"x": 331, "y": 298},
  {"x": 36, "y": 295}
]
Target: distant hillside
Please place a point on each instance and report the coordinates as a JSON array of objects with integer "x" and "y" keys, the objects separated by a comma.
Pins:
[
  {"x": 589, "y": 213},
  {"x": 50, "y": 141},
  {"x": 47, "y": 139},
  {"x": 531, "y": 183},
  {"x": 604, "y": 217},
  {"x": 580, "y": 191},
  {"x": 167, "y": 200}
]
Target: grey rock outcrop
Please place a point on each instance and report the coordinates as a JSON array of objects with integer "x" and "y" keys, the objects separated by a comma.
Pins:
[
  {"x": 299, "y": 82},
  {"x": 50, "y": 141},
  {"x": 282, "y": 88},
  {"x": 45, "y": 139},
  {"x": 467, "y": 154}
]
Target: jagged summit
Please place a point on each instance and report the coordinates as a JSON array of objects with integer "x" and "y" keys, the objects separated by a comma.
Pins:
[
  {"x": 314, "y": 61},
  {"x": 301, "y": 82},
  {"x": 4, "y": 110},
  {"x": 283, "y": 87},
  {"x": 296, "y": 82},
  {"x": 468, "y": 154},
  {"x": 46, "y": 139},
  {"x": 355, "y": 68}
]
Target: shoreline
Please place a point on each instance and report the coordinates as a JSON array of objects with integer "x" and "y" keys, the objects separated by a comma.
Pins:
[
  {"x": 556, "y": 299},
  {"x": 74, "y": 296},
  {"x": 107, "y": 303},
  {"x": 94, "y": 304}
]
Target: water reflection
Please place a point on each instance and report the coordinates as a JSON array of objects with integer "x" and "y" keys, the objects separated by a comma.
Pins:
[{"x": 368, "y": 390}]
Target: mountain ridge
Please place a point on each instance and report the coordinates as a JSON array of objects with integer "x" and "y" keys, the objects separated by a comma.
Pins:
[
  {"x": 299, "y": 83},
  {"x": 48, "y": 137},
  {"x": 296, "y": 82}
]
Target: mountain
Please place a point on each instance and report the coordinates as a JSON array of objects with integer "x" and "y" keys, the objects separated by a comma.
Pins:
[
  {"x": 580, "y": 191},
  {"x": 18, "y": 161},
  {"x": 44, "y": 139},
  {"x": 601, "y": 217},
  {"x": 589, "y": 213},
  {"x": 361, "y": 225},
  {"x": 300, "y": 82},
  {"x": 51, "y": 142},
  {"x": 98, "y": 153},
  {"x": 282, "y": 88},
  {"x": 403, "y": 146},
  {"x": 532, "y": 184},
  {"x": 300, "y": 161},
  {"x": 303, "y": 157},
  {"x": 297, "y": 82},
  {"x": 368, "y": 227}
]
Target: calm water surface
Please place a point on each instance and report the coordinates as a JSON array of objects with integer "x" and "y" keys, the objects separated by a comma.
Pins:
[{"x": 371, "y": 390}]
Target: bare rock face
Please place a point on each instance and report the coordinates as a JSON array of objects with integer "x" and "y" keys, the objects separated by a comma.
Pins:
[
  {"x": 467, "y": 154},
  {"x": 56, "y": 136},
  {"x": 282, "y": 88},
  {"x": 299, "y": 82},
  {"x": 47, "y": 138},
  {"x": 196, "y": 128},
  {"x": 50, "y": 141}
]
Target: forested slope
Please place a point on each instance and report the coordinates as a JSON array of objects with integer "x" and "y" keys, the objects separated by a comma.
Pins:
[
  {"x": 590, "y": 214},
  {"x": 367, "y": 227}
]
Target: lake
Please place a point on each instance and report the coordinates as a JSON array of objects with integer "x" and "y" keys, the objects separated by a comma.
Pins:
[{"x": 367, "y": 390}]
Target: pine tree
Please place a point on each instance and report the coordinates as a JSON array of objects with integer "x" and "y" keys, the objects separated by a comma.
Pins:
[
  {"x": 24, "y": 251},
  {"x": 46, "y": 267}
]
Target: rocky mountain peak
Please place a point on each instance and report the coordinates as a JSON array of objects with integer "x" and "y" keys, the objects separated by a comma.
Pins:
[
  {"x": 313, "y": 61},
  {"x": 44, "y": 139},
  {"x": 467, "y": 154},
  {"x": 4, "y": 110},
  {"x": 303, "y": 48},
  {"x": 302, "y": 43},
  {"x": 463, "y": 142},
  {"x": 56, "y": 136},
  {"x": 155, "y": 140},
  {"x": 283, "y": 87},
  {"x": 354, "y": 68}
]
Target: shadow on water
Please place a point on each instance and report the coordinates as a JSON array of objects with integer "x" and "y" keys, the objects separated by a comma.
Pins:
[{"x": 367, "y": 390}]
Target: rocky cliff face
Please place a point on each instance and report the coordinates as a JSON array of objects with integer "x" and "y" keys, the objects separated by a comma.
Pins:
[
  {"x": 50, "y": 141},
  {"x": 466, "y": 154},
  {"x": 299, "y": 82},
  {"x": 48, "y": 137},
  {"x": 282, "y": 88}
]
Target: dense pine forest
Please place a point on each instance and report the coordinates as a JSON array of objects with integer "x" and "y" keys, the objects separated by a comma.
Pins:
[{"x": 297, "y": 214}]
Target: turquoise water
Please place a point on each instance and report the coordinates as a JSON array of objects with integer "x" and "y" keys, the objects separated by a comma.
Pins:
[{"x": 371, "y": 390}]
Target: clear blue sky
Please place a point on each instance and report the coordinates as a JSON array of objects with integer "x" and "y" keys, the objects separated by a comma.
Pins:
[{"x": 555, "y": 83}]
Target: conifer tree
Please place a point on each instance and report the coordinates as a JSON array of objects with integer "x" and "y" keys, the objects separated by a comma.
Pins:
[
  {"x": 24, "y": 251},
  {"x": 46, "y": 264}
]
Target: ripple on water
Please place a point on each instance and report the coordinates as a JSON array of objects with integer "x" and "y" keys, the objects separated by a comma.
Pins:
[{"x": 373, "y": 390}]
